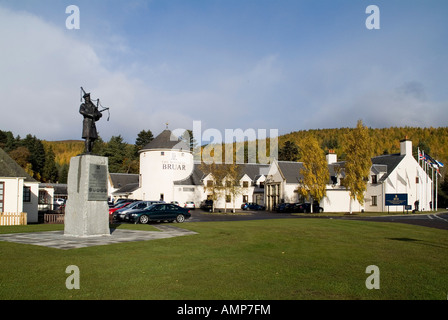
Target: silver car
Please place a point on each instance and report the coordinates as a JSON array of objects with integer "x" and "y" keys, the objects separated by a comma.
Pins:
[{"x": 137, "y": 205}]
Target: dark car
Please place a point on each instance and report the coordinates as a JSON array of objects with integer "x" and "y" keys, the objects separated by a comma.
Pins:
[
  {"x": 306, "y": 208},
  {"x": 207, "y": 205},
  {"x": 285, "y": 207},
  {"x": 252, "y": 206},
  {"x": 159, "y": 212}
]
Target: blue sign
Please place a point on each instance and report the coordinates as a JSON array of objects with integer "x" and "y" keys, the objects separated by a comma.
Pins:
[{"x": 396, "y": 199}]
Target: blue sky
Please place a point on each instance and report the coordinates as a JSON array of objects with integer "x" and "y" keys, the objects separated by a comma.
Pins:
[{"x": 263, "y": 64}]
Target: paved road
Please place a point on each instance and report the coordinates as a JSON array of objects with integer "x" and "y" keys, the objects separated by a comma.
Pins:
[{"x": 439, "y": 221}]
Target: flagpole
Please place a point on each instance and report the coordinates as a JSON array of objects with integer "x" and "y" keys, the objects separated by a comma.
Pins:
[
  {"x": 432, "y": 188},
  {"x": 437, "y": 187}
]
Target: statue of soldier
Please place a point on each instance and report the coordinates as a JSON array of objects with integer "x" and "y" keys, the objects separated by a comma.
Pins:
[{"x": 91, "y": 115}]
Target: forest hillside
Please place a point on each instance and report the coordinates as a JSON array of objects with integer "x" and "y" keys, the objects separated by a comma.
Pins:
[{"x": 48, "y": 161}]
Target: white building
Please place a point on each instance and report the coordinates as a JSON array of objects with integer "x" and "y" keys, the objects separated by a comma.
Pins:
[
  {"x": 18, "y": 190},
  {"x": 168, "y": 172},
  {"x": 392, "y": 175}
]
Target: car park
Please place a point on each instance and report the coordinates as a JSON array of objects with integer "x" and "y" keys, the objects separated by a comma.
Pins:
[
  {"x": 285, "y": 207},
  {"x": 306, "y": 208},
  {"x": 118, "y": 206},
  {"x": 189, "y": 205},
  {"x": 121, "y": 200},
  {"x": 252, "y": 206},
  {"x": 159, "y": 212},
  {"x": 207, "y": 205},
  {"x": 120, "y": 214}
]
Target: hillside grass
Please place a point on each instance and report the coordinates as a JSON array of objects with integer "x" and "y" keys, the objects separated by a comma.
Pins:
[{"x": 264, "y": 259}]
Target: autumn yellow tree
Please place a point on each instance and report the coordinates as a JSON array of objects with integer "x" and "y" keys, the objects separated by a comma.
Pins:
[
  {"x": 358, "y": 162},
  {"x": 314, "y": 173},
  {"x": 233, "y": 185},
  {"x": 216, "y": 187}
]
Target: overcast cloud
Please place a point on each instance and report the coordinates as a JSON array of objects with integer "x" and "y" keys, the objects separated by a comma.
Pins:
[{"x": 270, "y": 67}]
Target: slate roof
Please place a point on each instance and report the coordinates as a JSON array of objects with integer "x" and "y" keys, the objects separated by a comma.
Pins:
[
  {"x": 291, "y": 170},
  {"x": 390, "y": 160},
  {"x": 166, "y": 140},
  {"x": 10, "y": 169},
  {"x": 60, "y": 189},
  {"x": 384, "y": 163},
  {"x": 251, "y": 169},
  {"x": 129, "y": 188},
  {"x": 121, "y": 179}
]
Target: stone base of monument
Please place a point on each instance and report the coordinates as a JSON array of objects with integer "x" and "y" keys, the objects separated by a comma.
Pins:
[{"x": 87, "y": 211}]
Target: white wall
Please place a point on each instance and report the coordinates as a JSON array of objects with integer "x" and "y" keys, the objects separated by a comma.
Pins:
[
  {"x": 13, "y": 195},
  {"x": 13, "y": 198},
  {"x": 31, "y": 208},
  {"x": 338, "y": 200},
  {"x": 159, "y": 169}
]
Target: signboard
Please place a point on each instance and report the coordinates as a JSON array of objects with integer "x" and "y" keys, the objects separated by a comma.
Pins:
[
  {"x": 396, "y": 199},
  {"x": 97, "y": 183}
]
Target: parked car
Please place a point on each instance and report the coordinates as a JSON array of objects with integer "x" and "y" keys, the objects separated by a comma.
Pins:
[
  {"x": 118, "y": 206},
  {"x": 252, "y": 206},
  {"x": 306, "y": 208},
  {"x": 120, "y": 214},
  {"x": 59, "y": 201},
  {"x": 190, "y": 205},
  {"x": 207, "y": 205},
  {"x": 121, "y": 200},
  {"x": 159, "y": 212},
  {"x": 285, "y": 207}
]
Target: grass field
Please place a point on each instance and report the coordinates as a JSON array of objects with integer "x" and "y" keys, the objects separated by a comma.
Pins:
[{"x": 264, "y": 259}]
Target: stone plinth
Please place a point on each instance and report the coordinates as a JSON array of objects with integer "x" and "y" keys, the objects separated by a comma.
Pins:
[{"x": 87, "y": 211}]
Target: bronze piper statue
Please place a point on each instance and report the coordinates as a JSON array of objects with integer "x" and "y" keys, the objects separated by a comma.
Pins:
[{"x": 91, "y": 115}]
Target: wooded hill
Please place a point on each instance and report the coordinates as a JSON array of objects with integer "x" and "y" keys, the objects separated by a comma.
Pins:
[
  {"x": 35, "y": 155},
  {"x": 434, "y": 141}
]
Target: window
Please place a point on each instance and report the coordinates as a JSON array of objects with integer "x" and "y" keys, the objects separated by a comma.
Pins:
[
  {"x": 26, "y": 194},
  {"x": 228, "y": 198},
  {"x": 162, "y": 153},
  {"x": 209, "y": 183},
  {"x": 374, "y": 201},
  {"x": 417, "y": 180},
  {"x": 245, "y": 198},
  {"x": 245, "y": 184},
  {"x": 374, "y": 179},
  {"x": 2, "y": 193}
]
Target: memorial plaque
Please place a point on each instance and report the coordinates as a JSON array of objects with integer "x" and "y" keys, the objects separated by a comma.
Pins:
[{"x": 97, "y": 183}]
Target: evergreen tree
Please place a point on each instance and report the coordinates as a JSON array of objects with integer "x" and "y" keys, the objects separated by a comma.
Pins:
[
  {"x": 289, "y": 152},
  {"x": 50, "y": 171},
  {"x": 115, "y": 150},
  {"x": 37, "y": 154},
  {"x": 63, "y": 173},
  {"x": 143, "y": 138},
  {"x": 358, "y": 162}
]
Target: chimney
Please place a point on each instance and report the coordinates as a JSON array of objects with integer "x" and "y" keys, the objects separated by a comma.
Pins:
[
  {"x": 406, "y": 147},
  {"x": 332, "y": 157}
]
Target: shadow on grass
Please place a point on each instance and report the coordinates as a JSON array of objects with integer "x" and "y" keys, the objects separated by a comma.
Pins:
[{"x": 423, "y": 242}]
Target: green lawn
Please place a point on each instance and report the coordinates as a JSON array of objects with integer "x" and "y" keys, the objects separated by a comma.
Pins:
[{"x": 269, "y": 259}]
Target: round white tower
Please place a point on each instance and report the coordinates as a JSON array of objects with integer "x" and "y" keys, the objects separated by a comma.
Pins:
[{"x": 162, "y": 161}]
